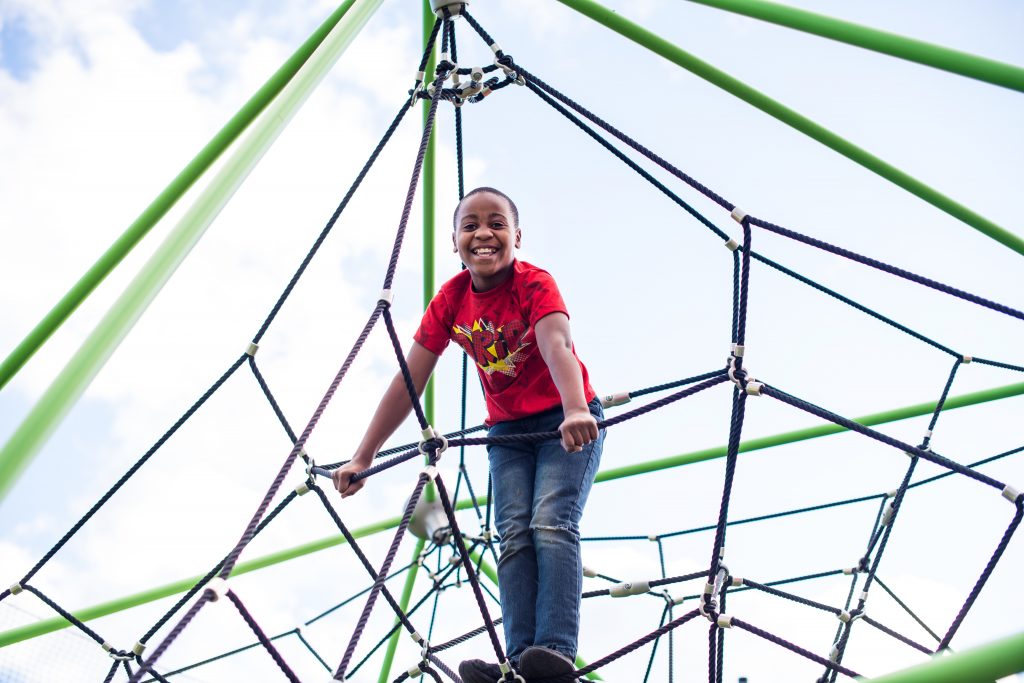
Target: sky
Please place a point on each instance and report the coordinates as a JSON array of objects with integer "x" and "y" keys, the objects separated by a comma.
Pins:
[{"x": 102, "y": 103}]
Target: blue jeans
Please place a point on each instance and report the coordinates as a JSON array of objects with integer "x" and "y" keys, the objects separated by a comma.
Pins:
[{"x": 539, "y": 493}]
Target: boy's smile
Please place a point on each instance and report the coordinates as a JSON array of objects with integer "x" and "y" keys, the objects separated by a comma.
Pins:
[{"x": 486, "y": 238}]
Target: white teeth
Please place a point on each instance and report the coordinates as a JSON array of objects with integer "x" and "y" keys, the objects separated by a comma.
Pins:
[{"x": 484, "y": 252}]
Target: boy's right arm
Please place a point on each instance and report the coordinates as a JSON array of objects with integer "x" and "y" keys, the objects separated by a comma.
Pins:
[{"x": 394, "y": 407}]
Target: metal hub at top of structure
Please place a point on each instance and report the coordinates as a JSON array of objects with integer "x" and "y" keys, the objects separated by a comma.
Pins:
[{"x": 454, "y": 6}]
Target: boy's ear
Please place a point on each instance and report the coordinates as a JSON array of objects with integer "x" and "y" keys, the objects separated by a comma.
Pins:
[
  {"x": 455, "y": 245},
  {"x": 519, "y": 238}
]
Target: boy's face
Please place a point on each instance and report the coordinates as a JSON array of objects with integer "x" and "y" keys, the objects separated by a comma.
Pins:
[{"x": 486, "y": 239}]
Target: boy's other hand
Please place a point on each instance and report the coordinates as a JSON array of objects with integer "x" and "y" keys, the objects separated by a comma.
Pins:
[
  {"x": 342, "y": 478},
  {"x": 577, "y": 429}
]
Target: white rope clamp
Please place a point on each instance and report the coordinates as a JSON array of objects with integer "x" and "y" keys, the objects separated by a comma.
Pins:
[
  {"x": 114, "y": 654},
  {"x": 731, "y": 244},
  {"x": 505, "y": 668},
  {"x": 627, "y": 588},
  {"x": 430, "y": 434},
  {"x": 887, "y": 515},
  {"x": 653, "y": 538},
  {"x": 737, "y": 350},
  {"x": 386, "y": 297},
  {"x": 415, "y": 671},
  {"x": 736, "y": 581},
  {"x": 1009, "y": 493},
  {"x": 612, "y": 400},
  {"x": 251, "y": 349},
  {"x": 431, "y": 472},
  {"x": 672, "y": 601},
  {"x": 302, "y": 489},
  {"x": 966, "y": 359},
  {"x": 16, "y": 588},
  {"x": 139, "y": 648},
  {"x": 509, "y": 71},
  {"x": 589, "y": 573},
  {"x": 218, "y": 587},
  {"x": 846, "y": 617},
  {"x": 738, "y": 215},
  {"x": 724, "y": 621},
  {"x": 469, "y": 89}
]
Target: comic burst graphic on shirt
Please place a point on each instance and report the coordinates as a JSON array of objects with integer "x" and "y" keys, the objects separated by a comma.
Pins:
[{"x": 493, "y": 348}]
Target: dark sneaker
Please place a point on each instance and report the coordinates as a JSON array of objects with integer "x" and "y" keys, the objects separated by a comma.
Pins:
[
  {"x": 479, "y": 671},
  {"x": 542, "y": 663}
]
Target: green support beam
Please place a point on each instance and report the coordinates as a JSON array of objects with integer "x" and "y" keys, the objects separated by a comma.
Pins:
[
  {"x": 98, "y": 347},
  {"x": 988, "y": 662},
  {"x": 429, "y": 192},
  {"x": 676, "y": 55},
  {"x": 812, "y": 432},
  {"x": 964, "y": 400},
  {"x": 928, "y": 54},
  {"x": 166, "y": 199},
  {"x": 40, "y": 628}
]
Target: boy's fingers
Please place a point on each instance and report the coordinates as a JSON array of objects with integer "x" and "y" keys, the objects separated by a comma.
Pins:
[{"x": 352, "y": 488}]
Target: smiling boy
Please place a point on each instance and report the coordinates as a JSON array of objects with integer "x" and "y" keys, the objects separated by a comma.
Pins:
[{"x": 510, "y": 319}]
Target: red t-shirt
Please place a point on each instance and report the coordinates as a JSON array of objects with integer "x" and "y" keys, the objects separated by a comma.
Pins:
[{"x": 496, "y": 329}]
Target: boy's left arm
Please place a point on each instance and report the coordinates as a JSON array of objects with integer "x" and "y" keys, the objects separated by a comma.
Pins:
[{"x": 555, "y": 343}]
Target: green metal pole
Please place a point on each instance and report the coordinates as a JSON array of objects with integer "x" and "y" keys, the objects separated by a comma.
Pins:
[
  {"x": 403, "y": 603},
  {"x": 134, "y": 600},
  {"x": 674, "y": 54},
  {"x": 962, "y": 401},
  {"x": 812, "y": 432},
  {"x": 166, "y": 199},
  {"x": 429, "y": 203},
  {"x": 929, "y": 54},
  {"x": 988, "y": 662},
  {"x": 94, "y": 352},
  {"x": 429, "y": 167}
]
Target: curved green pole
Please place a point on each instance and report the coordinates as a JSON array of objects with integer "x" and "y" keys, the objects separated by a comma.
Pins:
[
  {"x": 987, "y": 662},
  {"x": 115, "y": 325},
  {"x": 165, "y": 200},
  {"x": 964, "y": 400},
  {"x": 428, "y": 175},
  {"x": 928, "y": 54},
  {"x": 662, "y": 47},
  {"x": 918, "y": 410}
]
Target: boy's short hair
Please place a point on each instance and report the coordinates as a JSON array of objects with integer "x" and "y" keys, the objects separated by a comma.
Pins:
[{"x": 511, "y": 204}]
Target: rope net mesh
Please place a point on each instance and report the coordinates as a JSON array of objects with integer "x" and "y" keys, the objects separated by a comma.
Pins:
[{"x": 829, "y": 605}]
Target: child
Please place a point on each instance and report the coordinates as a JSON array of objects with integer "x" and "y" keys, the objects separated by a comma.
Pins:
[{"x": 511, "y": 320}]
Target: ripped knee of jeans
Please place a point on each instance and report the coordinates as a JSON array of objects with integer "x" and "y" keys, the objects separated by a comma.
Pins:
[{"x": 555, "y": 531}]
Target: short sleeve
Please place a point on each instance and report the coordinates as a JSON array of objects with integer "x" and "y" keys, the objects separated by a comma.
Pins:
[
  {"x": 434, "y": 331},
  {"x": 541, "y": 296}
]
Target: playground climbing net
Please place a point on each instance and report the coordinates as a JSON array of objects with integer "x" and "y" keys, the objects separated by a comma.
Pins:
[{"x": 452, "y": 557}]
